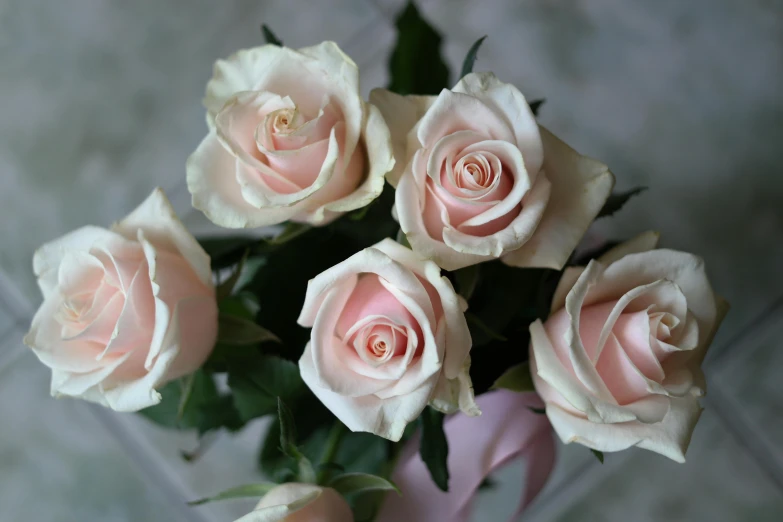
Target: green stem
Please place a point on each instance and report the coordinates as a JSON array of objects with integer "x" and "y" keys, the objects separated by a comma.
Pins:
[{"x": 331, "y": 449}]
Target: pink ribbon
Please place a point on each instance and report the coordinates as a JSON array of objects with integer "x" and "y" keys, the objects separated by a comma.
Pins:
[{"x": 478, "y": 446}]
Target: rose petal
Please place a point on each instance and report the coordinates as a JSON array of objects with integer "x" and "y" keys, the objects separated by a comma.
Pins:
[
  {"x": 384, "y": 417},
  {"x": 580, "y": 186},
  {"x": 670, "y": 437},
  {"x": 292, "y": 502},
  {"x": 401, "y": 114},
  {"x": 511, "y": 105}
]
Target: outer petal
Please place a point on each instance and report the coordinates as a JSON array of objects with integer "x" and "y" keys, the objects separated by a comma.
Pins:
[
  {"x": 642, "y": 243},
  {"x": 452, "y": 395},
  {"x": 386, "y": 418},
  {"x": 403, "y": 283},
  {"x": 553, "y": 381},
  {"x": 670, "y": 437},
  {"x": 378, "y": 145},
  {"x": 47, "y": 259},
  {"x": 217, "y": 193},
  {"x": 458, "y": 340},
  {"x": 510, "y": 104},
  {"x": 342, "y": 82},
  {"x": 684, "y": 269},
  {"x": 294, "y": 502},
  {"x": 401, "y": 114},
  {"x": 580, "y": 186},
  {"x": 161, "y": 226}
]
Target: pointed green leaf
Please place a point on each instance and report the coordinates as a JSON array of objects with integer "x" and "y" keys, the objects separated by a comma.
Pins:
[
  {"x": 236, "y": 330},
  {"x": 270, "y": 37},
  {"x": 287, "y": 428},
  {"x": 194, "y": 402},
  {"x": 226, "y": 251},
  {"x": 470, "y": 58},
  {"x": 416, "y": 65},
  {"x": 247, "y": 490},
  {"x": 288, "y": 443},
  {"x": 617, "y": 200},
  {"x": 517, "y": 378},
  {"x": 537, "y": 411},
  {"x": 599, "y": 455},
  {"x": 434, "y": 447},
  {"x": 354, "y": 483},
  {"x": 535, "y": 105},
  {"x": 257, "y": 383}
]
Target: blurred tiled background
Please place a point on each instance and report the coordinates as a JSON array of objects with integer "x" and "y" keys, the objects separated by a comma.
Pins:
[{"x": 101, "y": 102}]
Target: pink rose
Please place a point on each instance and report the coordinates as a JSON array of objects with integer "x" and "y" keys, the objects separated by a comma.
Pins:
[
  {"x": 125, "y": 310},
  {"x": 478, "y": 179},
  {"x": 507, "y": 430},
  {"x": 618, "y": 361},
  {"x": 389, "y": 336},
  {"x": 290, "y": 139},
  {"x": 294, "y": 502}
]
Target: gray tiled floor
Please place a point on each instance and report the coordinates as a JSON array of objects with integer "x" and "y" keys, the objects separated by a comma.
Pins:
[{"x": 102, "y": 102}]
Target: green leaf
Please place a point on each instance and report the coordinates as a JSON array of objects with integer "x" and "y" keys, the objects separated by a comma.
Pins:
[
  {"x": 517, "y": 378},
  {"x": 236, "y": 330},
  {"x": 289, "y": 233},
  {"x": 474, "y": 322},
  {"x": 506, "y": 300},
  {"x": 226, "y": 251},
  {"x": 331, "y": 466},
  {"x": 599, "y": 455},
  {"x": 470, "y": 58},
  {"x": 270, "y": 37},
  {"x": 288, "y": 443},
  {"x": 358, "y": 215},
  {"x": 257, "y": 382},
  {"x": 535, "y": 105},
  {"x": 434, "y": 447},
  {"x": 245, "y": 491},
  {"x": 537, "y": 411},
  {"x": 355, "y": 483},
  {"x": 225, "y": 288},
  {"x": 193, "y": 402},
  {"x": 416, "y": 65},
  {"x": 312, "y": 422},
  {"x": 287, "y": 428},
  {"x": 467, "y": 280},
  {"x": 243, "y": 305},
  {"x": 617, "y": 200}
]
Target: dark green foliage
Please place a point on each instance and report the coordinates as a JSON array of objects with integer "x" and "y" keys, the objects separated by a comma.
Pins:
[
  {"x": 434, "y": 447},
  {"x": 416, "y": 65}
]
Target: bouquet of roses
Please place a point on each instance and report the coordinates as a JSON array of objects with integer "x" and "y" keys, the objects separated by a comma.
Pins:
[{"x": 411, "y": 284}]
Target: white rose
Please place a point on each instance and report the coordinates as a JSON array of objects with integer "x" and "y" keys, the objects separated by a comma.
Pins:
[
  {"x": 125, "y": 310},
  {"x": 290, "y": 139},
  {"x": 618, "y": 361},
  {"x": 477, "y": 179}
]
